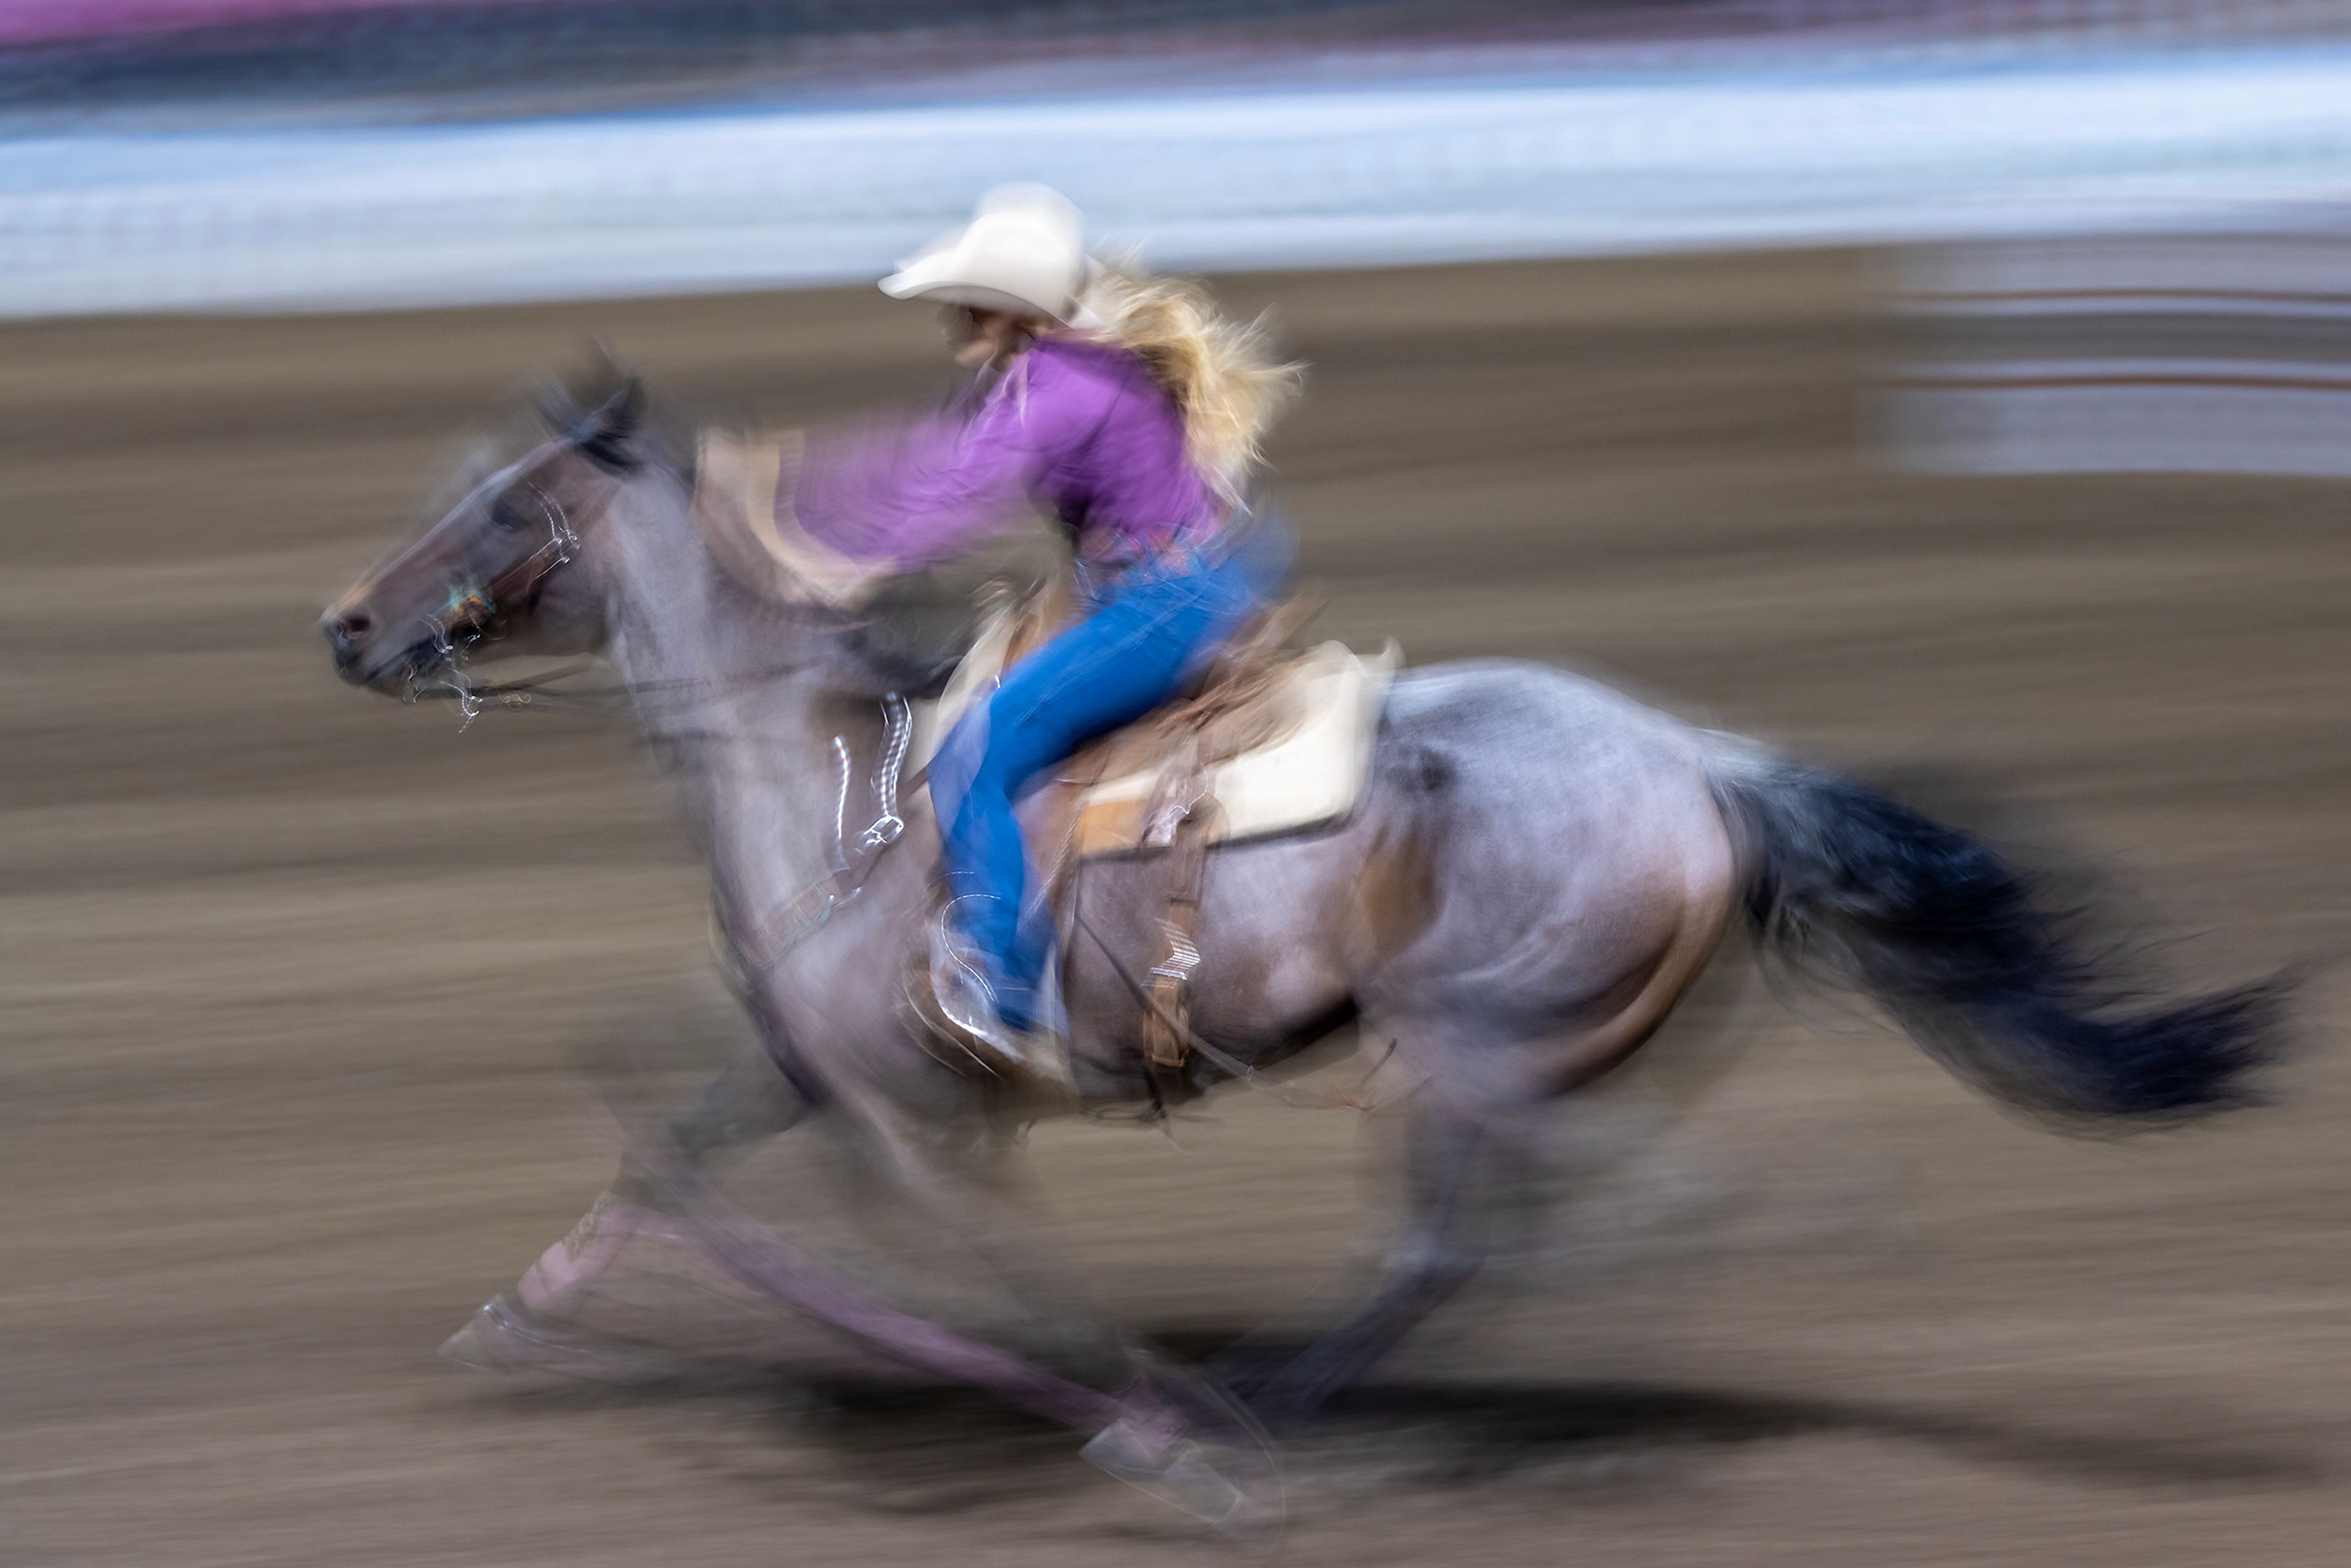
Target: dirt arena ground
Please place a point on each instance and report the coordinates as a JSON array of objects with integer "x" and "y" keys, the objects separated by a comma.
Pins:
[{"x": 303, "y": 989}]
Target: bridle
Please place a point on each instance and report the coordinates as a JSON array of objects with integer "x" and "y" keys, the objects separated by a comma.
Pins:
[{"x": 475, "y": 613}]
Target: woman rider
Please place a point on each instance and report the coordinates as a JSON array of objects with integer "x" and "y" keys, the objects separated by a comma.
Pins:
[{"x": 1125, "y": 405}]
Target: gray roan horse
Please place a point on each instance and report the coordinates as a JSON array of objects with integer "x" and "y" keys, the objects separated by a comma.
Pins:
[{"x": 1539, "y": 868}]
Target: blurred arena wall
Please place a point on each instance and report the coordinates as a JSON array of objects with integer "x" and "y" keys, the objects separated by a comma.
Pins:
[{"x": 302, "y": 154}]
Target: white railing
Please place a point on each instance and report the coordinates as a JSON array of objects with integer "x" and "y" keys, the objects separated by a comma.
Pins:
[{"x": 625, "y": 204}]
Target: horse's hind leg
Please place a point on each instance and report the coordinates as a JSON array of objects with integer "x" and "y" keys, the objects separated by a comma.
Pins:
[
  {"x": 1472, "y": 1125},
  {"x": 1462, "y": 1144},
  {"x": 1451, "y": 1158}
]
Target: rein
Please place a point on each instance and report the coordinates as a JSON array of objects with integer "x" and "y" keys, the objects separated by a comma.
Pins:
[{"x": 535, "y": 690}]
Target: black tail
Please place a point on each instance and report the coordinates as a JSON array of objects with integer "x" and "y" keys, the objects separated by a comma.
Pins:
[{"x": 1848, "y": 885}]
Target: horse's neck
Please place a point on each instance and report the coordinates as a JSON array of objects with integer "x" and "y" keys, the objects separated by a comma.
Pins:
[{"x": 734, "y": 700}]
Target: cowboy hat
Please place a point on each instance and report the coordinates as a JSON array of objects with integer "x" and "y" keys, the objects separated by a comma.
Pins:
[{"x": 1023, "y": 251}]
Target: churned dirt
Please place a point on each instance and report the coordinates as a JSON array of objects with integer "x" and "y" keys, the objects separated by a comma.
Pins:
[{"x": 306, "y": 993}]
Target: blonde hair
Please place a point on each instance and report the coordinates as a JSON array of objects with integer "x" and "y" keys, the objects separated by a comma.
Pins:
[{"x": 1222, "y": 374}]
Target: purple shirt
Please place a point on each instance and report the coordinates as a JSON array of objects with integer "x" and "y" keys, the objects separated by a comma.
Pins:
[{"x": 1081, "y": 429}]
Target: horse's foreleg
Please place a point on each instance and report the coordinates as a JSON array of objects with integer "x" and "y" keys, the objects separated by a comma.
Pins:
[
  {"x": 1449, "y": 1159},
  {"x": 1168, "y": 1432},
  {"x": 968, "y": 1189},
  {"x": 749, "y": 1102}
]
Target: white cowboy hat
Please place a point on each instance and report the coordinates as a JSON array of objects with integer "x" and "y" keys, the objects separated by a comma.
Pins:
[{"x": 1024, "y": 250}]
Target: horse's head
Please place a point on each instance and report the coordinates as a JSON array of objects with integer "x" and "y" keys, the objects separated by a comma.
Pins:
[{"x": 489, "y": 574}]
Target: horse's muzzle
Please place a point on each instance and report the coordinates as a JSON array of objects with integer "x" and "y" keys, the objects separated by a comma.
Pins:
[{"x": 350, "y": 635}]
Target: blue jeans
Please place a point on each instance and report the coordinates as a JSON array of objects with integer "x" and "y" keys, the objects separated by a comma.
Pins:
[{"x": 1146, "y": 636}]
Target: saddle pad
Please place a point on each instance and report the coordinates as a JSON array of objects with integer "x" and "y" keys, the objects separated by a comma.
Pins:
[{"x": 1311, "y": 771}]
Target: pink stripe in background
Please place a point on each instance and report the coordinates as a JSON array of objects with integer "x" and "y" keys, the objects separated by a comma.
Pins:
[{"x": 59, "y": 21}]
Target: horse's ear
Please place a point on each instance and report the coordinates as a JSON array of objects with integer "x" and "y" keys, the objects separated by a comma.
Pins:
[
  {"x": 605, "y": 431},
  {"x": 604, "y": 368},
  {"x": 624, "y": 410},
  {"x": 556, "y": 407},
  {"x": 607, "y": 434}
]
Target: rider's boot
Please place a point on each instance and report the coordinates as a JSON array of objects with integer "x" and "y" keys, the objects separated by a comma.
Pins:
[{"x": 990, "y": 1023}]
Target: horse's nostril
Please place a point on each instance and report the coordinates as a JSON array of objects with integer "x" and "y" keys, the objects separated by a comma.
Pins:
[{"x": 349, "y": 627}]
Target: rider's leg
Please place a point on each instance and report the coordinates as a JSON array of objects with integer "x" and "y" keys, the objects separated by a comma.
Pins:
[{"x": 1125, "y": 659}]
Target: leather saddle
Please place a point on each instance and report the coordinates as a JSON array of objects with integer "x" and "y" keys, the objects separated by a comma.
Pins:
[{"x": 1271, "y": 740}]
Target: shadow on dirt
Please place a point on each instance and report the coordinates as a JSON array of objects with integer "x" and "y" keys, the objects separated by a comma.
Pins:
[
  {"x": 919, "y": 1447},
  {"x": 1489, "y": 1431}
]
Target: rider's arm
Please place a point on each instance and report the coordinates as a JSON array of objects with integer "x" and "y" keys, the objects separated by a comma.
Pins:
[{"x": 919, "y": 493}]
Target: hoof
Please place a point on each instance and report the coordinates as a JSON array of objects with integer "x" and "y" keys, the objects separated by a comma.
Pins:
[
  {"x": 1192, "y": 1446},
  {"x": 504, "y": 1338},
  {"x": 1233, "y": 1492},
  {"x": 470, "y": 1345}
]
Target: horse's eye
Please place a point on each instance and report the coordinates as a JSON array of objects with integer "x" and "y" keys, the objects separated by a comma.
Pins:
[{"x": 505, "y": 513}]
